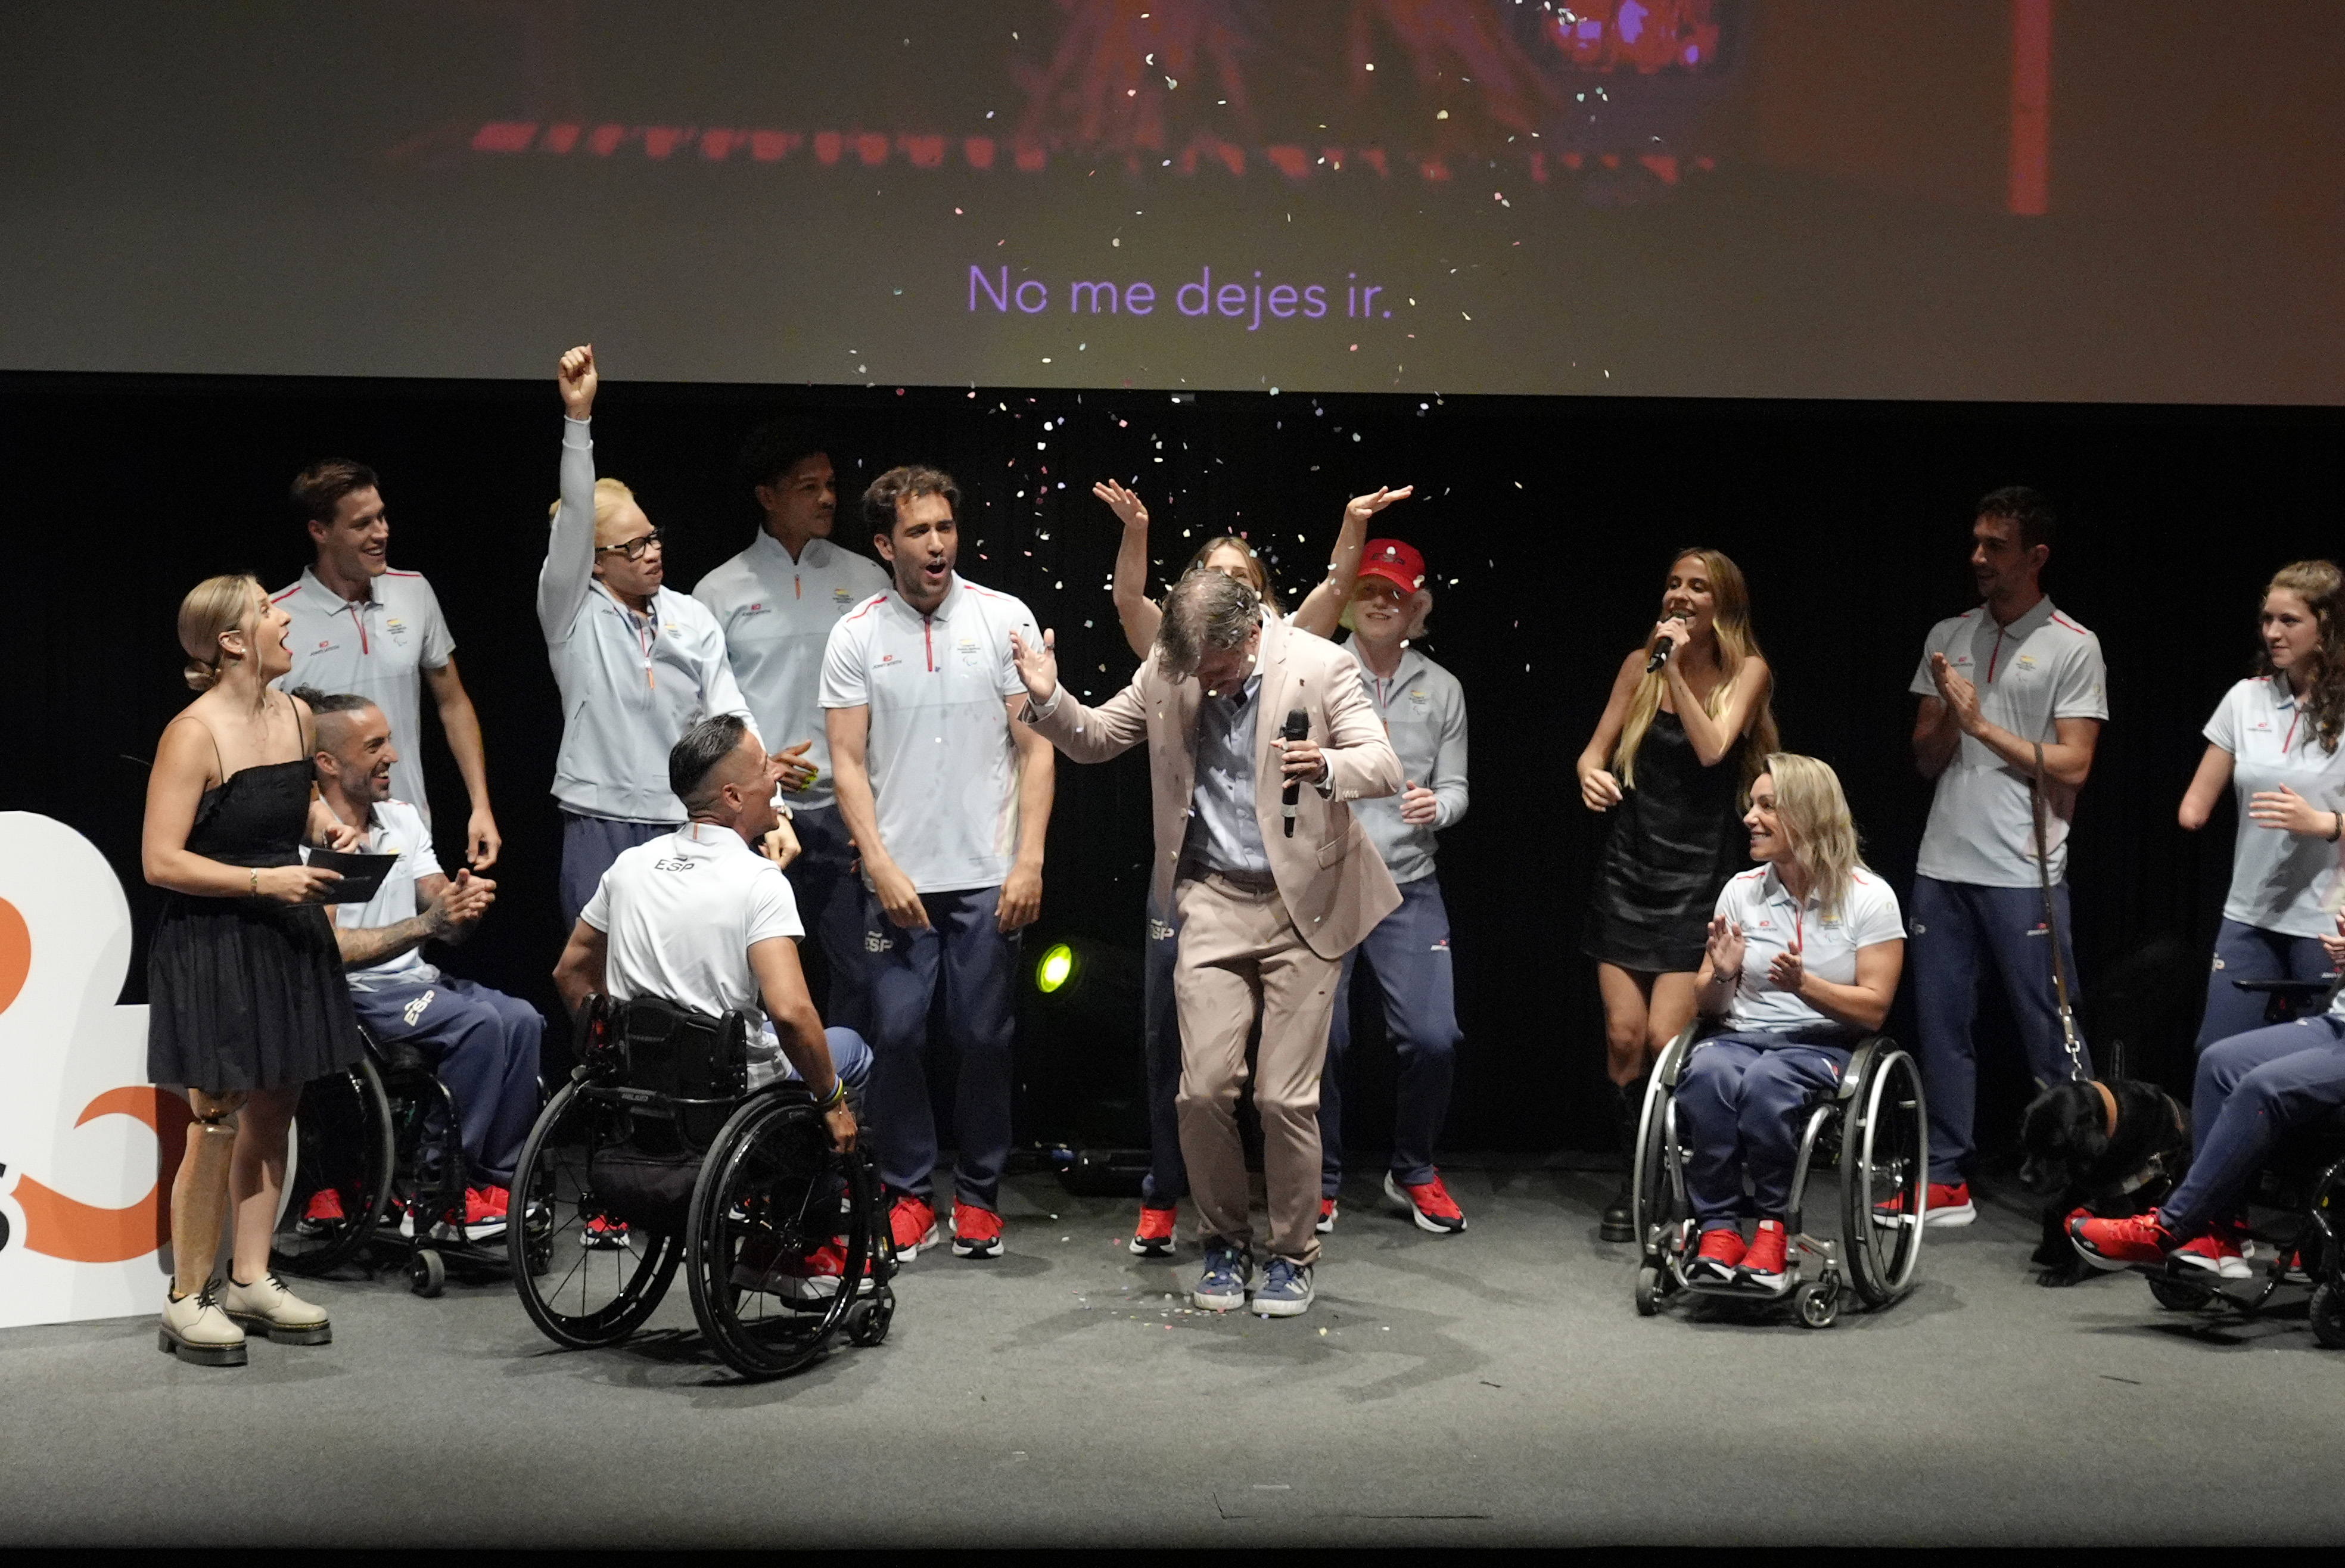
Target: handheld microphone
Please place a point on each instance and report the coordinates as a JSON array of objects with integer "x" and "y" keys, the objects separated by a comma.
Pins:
[
  {"x": 1660, "y": 654},
  {"x": 1296, "y": 728}
]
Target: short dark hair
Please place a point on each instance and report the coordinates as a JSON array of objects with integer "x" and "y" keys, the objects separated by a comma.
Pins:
[
  {"x": 706, "y": 745},
  {"x": 318, "y": 490},
  {"x": 1206, "y": 609},
  {"x": 332, "y": 701},
  {"x": 776, "y": 446},
  {"x": 898, "y": 485},
  {"x": 2028, "y": 510}
]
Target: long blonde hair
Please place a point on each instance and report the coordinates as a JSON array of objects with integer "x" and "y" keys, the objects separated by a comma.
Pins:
[
  {"x": 214, "y": 607},
  {"x": 1730, "y": 623},
  {"x": 1813, "y": 812}
]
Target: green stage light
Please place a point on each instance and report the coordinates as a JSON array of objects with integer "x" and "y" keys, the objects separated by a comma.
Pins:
[{"x": 1055, "y": 969}]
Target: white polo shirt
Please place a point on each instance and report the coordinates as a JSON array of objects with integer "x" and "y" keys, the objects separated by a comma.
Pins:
[
  {"x": 682, "y": 913},
  {"x": 2040, "y": 669},
  {"x": 944, "y": 768},
  {"x": 374, "y": 648},
  {"x": 2277, "y": 879},
  {"x": 631, "y": 685},
  {"x": 1773, "y": 922},
  {"x": 398, "y": 829},
  {"x": 776, "y": 615}
]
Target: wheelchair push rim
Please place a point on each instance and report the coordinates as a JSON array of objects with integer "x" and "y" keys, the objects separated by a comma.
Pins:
[
  {"x": 341, "y": 1139},
  {"x": 771, "y": 1192},
  {"x": 1653, "y": 1197},
  {"x": 1885, "y": 1161},
  {"x": 578, "y": 1295}
]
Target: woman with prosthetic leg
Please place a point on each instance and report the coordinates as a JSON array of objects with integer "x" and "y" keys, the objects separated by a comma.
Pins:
[{"x": 244, "y": 979}]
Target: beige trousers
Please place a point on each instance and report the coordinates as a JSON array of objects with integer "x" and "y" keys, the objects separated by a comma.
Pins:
[{"x": 1239, "y": 953}]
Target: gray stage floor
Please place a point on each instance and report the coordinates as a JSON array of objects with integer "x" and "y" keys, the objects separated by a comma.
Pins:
[{"x": 1493, "y": 1388}]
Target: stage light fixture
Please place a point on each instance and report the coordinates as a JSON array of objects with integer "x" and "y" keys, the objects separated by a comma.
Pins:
[{"x": 1055, "y": 969}]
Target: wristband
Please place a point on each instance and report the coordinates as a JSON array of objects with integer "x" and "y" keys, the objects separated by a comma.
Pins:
[
  {"x": 837, "y": 1095},
  {"x": 2335, "y": 825},
  {"x": 256, "y": 881}
]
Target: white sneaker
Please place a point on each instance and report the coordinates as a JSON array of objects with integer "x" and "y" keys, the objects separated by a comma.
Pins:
[{"x": 197, "y": 1331}]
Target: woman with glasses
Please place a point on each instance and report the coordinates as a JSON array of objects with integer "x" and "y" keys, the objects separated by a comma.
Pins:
[{"x": 637, "y": 663}]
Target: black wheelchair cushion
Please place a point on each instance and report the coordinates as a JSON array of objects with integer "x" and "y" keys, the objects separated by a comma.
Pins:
[{"x": 648, "y": 1190}]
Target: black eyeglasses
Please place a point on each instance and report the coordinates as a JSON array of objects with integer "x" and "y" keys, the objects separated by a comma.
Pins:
[{"x": 635, "y": 548}]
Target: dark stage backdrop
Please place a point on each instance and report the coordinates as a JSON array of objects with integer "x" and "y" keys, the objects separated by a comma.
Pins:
[{"x": 1547, "y": 525}]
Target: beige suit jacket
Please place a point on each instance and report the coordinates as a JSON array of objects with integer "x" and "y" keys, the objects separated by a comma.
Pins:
[{"x": 1329, "y": 875}]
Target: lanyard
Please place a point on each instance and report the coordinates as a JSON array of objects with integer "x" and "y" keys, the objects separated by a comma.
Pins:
[{"x": 647, "y": 629}]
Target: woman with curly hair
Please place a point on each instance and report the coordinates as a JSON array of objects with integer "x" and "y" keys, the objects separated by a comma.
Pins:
[{"x": 2274, "y": 740}]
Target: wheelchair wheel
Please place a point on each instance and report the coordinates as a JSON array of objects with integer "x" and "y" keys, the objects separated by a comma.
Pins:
[
  {"x": 2327, "y": 1314},
  {"x": 2178, "y": 1295},
  {"x": 1653, "y": 1196},
  {"x": 581, "y": 1290},
  {"x": 342, "y": 1144},
  {"x": 1885, "y": 1158},
  {"x": 774, "y": 1212},
  {"x": 1819, "y": 1305}
]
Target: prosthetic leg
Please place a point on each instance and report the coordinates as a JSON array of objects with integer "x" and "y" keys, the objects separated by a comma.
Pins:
[
  {"x": 194, "y": 1328},
  {"x": 1619, "y": 1221}
]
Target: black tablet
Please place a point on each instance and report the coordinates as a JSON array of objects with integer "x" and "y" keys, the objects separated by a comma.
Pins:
[{"x": 363, "y": 874}]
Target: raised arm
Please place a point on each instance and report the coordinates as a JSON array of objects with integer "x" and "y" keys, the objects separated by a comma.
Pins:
[
  {"x": 1138, "y": 612},
  {"x": 569, "y": 569},
  {"x": 1086, "y": 734},
  {"x": 1599, "y": 790},
  {"x": 1322, "y": 612},
  {"x": 1714, "y": 737},
  {"x": 2207, "y": 787}
]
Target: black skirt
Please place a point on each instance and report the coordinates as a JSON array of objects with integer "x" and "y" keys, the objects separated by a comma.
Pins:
[
  {"x": 246, "y": 994},
  {"x": 1675, "y": 839}
]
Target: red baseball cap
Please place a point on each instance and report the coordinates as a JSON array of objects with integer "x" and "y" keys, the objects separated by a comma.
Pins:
[{"x": 1394, "y": 562}]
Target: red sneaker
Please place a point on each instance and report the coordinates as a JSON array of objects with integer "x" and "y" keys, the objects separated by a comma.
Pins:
[
  {"x": 1720, "y": 1253},
  {"x": 1763, "y": 1264},
  {"x": 325, "y": 1211},
  {"x": 498, "y": 1200},
  {"x": 483, "y": 1219},
  {"x": 604, "y": 1234},
  {"x": 1945, "y": 1203},
  {"x": 1326, "y": 1221},
  {"x": 813, "y": 1278},
  {"x": 1428, "y": 1203},
  {"x": 1154, "y": 1237},
  {"x": 976, "y": 1232},
  {"x": 914, "y": 1226},
  {"x": 2217, "y": 1252},
  {"x": 2117, "y": 1243}
]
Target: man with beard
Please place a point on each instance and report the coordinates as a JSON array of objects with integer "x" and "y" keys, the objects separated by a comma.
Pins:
[{"x": 948, "y": 802}]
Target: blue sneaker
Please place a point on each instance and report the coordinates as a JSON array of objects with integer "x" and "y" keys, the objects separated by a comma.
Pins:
[
  {"x": 1285, "y": 1290},
  {"x": 1222, "y": 1288}
]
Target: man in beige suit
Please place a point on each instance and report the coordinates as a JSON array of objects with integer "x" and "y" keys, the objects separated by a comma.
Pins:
[{"x": 1263, "y": 912}]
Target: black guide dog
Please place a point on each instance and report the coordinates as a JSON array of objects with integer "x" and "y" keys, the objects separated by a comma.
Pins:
[{"x": 2115, "y": 1147}]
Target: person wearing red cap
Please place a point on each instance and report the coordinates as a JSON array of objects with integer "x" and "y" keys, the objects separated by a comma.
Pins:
[{"x": 1424, "y": 710}]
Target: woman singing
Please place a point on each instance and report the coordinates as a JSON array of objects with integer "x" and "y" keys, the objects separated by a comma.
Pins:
[
  {"x": 1669, "y": 761},
  {"x": 1803, "y": 957},
  {"x": 2274, "y": 740},
  {"x": 244, "y": 980},
  {"x": 1168, "y": 1180}
]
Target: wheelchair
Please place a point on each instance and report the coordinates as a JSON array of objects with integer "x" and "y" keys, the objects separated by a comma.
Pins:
[
  {"x": 385, "y": 1138},
  {"x": 2306, "y": 1178},
  {"x": 656, "y": 1156},
  {"x": 1873, "y": 1129}
]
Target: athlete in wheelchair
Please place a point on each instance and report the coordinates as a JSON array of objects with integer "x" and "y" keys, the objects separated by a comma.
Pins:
[
  {"x": 1783, "y": 1071},
  {"x": 2267, "y": 1098},
  {"x": 708, "y": 1123}
]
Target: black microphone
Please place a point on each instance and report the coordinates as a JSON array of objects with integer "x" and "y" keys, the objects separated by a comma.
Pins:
[
  {"x": 1660, "y": 654},
  {"x": 1296, "y": 728}
]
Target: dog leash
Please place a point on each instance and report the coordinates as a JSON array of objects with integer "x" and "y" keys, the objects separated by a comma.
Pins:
[{"x": 2051, "y": 923}]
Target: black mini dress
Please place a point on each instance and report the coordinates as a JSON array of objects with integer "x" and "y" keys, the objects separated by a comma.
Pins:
[
  {"x": 1675, "y": 839},
  {"x": 247, "y": 993}
]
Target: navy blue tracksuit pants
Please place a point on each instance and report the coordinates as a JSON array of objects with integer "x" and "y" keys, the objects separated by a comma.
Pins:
[
  {"x": 975, "y": 964},
  {"x": 2244, "y": 952},
  {"x": 830, "y": 906},
  {"x": 2252, "y": 1089},
  {"x": 1167, "y": 1182},
  {"x": 482, "y": 1045},
  {"x": 1954, "y": 925},
  {"x": 1408, "y": 952},
  {"x": 1742, "y": 1106}
]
